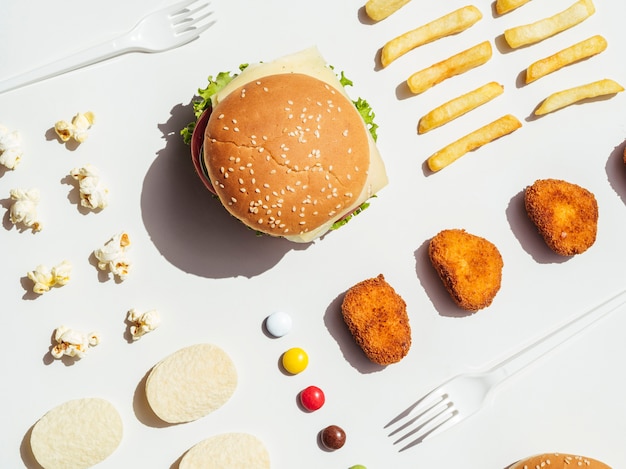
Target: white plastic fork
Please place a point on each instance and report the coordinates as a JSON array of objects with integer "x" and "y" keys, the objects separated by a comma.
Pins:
[
  {"x": 465, "y": 394},
  {"x": 165, "y": 29}
]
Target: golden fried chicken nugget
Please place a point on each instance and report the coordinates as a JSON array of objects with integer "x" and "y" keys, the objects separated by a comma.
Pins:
[
  {"x": 469, "y": 266},
  {"x": 377, "y": 318},
  {"x": 566, "y": 215}
]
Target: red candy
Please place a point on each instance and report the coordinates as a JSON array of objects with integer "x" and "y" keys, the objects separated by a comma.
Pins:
[{"x": 312, "y": 398}]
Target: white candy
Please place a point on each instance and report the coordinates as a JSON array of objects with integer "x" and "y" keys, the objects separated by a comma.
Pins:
[
  {"x": 73, "y": 343},
  {"x": 142, "y": 323},
  {"x": 93, "y": 193},
  {"x": 10, "y": 148},
  {"x": 45, "y": 278},
  {"x": 278, "y": 324},
  {"x": 24, "y": 208},
  {"x": 77, "y": 129},
  {"x": 112, "y": 256}
]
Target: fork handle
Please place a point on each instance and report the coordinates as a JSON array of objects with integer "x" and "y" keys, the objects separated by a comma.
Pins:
[
  {"x": 72, "y": 62},
  {"x": 532, "y": 352}
]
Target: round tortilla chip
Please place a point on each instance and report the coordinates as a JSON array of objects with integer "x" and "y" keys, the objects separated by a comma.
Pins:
[
  {"x": 227, "y": 451},
  {"x": 191, "y": 383},
  {"x": 77, "y": 434}
]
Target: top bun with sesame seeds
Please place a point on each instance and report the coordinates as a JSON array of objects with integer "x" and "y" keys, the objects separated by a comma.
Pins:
[
  {"x": 558, "y": 461},
  {"x": 286, "y": 150}
]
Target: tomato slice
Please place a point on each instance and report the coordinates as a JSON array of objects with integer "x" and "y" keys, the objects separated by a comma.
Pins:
[{"x": 197, "y": 143}]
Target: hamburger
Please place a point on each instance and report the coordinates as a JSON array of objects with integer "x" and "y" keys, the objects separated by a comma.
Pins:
[
  {"x": 284, "y": 148},
  {"x": 558, "y": 461}
]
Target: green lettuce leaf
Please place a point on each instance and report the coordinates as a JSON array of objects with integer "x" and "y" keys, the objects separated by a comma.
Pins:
[
  {"x": 339, "y": 223},
  {"x": 364, "y": 108},
  {"x": 203, "y": 98}
]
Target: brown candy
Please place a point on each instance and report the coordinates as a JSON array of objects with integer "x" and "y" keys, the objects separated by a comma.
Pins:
[{"x": 333, "y": 437}]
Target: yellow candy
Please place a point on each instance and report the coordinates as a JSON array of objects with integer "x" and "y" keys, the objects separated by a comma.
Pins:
[{"x": 295, "y": 360}]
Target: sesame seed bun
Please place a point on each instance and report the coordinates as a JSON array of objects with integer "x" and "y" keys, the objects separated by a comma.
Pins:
[
  {"x": 558, "y": 461},
  {"x": 288, "y": 153}
]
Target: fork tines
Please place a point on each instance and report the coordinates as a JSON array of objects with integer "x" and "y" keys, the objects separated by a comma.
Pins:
[
  {"x": 422, "y": 419},
  {"x": 188, "y": 20}
]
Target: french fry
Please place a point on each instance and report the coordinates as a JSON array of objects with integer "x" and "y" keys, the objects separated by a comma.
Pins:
[
  {"x": 564, "y": 98},
  {"x": 476, "y": 139},
  {"x": 458, "y": 106},
  {"x": 454, "y": 65},
  {"x": 539, "y": 30},
  {"x": 452, "y": 23},
  {"x": 504, "y": 6},
  {"x": 378, "y": 10},
  {"x": 579, "y": 51}
]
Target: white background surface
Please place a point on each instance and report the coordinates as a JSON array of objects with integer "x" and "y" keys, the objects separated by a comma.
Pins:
[{"x": 214, "y": 281}]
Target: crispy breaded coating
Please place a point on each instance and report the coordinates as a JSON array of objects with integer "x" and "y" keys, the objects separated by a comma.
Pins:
[
  {"x": 565, "y": 214},
  {"x": 377, "y": 318},
  {"x": 469, "y": 266}
]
